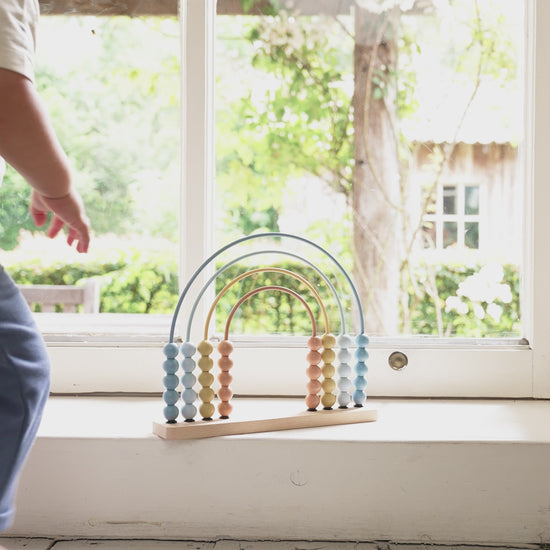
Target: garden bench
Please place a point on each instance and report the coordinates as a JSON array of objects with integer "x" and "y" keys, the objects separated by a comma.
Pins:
[{"x": 51, "y": 298}]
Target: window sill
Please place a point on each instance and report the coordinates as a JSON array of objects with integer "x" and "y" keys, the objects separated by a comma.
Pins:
[{"x": 427, "y": 470}]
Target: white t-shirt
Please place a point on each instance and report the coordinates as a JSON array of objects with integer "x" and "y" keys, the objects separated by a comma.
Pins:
[{"x": 18, "y": 23}]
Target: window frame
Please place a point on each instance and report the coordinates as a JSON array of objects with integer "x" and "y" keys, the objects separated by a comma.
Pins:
[{"x": 437, "y": 367}]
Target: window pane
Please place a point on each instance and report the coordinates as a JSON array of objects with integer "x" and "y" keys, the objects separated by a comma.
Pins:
[
  {"x": 450, "y": 234},
  {"x": 111, "y": 85},
  {"x": 471, "y": 234},
  {"x": 346, "y": 136},
  {"x": 449, "y": 199},
  {"x": 471, "y": 200}
]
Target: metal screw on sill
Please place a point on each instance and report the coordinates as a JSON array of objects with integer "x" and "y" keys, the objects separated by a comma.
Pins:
[{"x": 397, "y": 360}]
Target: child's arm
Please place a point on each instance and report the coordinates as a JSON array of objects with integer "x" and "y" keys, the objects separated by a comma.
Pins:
[{"x": 29, "y": 144}]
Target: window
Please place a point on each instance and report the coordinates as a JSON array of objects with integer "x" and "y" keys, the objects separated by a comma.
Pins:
[
  {"x": 453, "y": 218},
  {"x": 488, "y": 367}
]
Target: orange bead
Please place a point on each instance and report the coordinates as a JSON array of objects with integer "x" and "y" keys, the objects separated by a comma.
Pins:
[
  {"x": 312, "y": 401},
  {"x": 225, "y": 378},
  {"x": 315, "y": 343},
  {"x": 225, "y": 363},
  {"x": 313, "y": 357},
  {"x": 313, "y": 372},
  {"x": 225, "y": 408},
  {"x": 225, "y": 347},
  {"x": 314, "y": 386},
  {"x": 224, "y": 393}
]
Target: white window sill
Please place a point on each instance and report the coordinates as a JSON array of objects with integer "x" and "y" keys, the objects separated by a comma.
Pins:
[{"x": 427, "y": 470}]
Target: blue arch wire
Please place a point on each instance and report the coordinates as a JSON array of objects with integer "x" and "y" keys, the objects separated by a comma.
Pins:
[
  {"x": 255, "y": 253},
  {"x": 258, "y": 236}
]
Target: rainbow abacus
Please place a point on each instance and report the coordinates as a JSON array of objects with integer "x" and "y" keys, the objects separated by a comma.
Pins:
[{"x": 319, "y": 360}]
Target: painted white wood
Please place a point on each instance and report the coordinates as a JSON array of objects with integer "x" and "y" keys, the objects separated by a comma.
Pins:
[
  {"x": 26, "y": 544},
  {"x": 437, "y": 471}
]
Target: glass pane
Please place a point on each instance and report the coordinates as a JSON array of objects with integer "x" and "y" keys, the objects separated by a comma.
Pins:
[
  {"x": 471, "y": 200},
  {"x": 450, "y": 234},
  {"x": 449, "y": 199},
  {"x": 342, "y": 126},
  {"x": 471, "y": 234},
  {"x": 111, "y": 86}
]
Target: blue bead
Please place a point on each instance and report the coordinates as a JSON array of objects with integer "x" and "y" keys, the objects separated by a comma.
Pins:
[
  {"x": 361, "y": 354},
  {"x": 170, "y": 397},
  {"x": 360, "y": 383},
  {"x": 345, "y": 341},
  {"x": 188, "y": 364},
  {"x": 170, "y": 366},
  {"x": 171, "y": 412},
  {"x": 189, "y": 411},
  {"x": 359, "y": 397},
  {"x": 171, "y": 350},
  {"x": 361, "y": 368},
  {"x": 188, "y": 349},
  {"x": 188, "y": 379},
  {"x": 188, "y": 395},
  {"x": 362, "y": 340},
  {"x": 171, "y": 381}
]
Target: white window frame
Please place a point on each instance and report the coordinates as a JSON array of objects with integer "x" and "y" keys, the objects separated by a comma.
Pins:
[{"x": 437, "y": 368}]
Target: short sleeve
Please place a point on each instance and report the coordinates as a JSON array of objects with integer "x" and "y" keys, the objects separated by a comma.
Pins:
[{"x": 18, "y": 23}]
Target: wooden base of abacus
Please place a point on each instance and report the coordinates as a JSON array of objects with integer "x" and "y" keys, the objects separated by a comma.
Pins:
[{"x": 200, "y": 429}]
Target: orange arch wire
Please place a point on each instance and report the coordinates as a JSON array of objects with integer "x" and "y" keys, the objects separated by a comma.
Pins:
[
  {"x": 260, "y": 270},
  {"x": 263, "y": 289}
]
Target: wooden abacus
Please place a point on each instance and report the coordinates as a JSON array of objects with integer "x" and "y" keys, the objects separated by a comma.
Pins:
[{"x": 320, "y": 352}]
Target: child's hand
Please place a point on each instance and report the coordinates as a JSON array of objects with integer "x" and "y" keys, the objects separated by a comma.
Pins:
[{"x": 67, "y": 210}]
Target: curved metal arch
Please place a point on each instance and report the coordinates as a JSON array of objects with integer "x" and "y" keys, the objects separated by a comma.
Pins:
[
  {"x": 255, "y": 253},
  {"x": 246, "y": 274},
  {"x": 258, "y": 236}
]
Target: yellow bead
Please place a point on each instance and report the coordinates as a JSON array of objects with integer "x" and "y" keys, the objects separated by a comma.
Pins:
[
  {"x": 205, "y": 363},
  {"x": 205, "y": 347},
  {"x": 327, "y": 355},
  {"x": 328, "y": 371},
  {"x": 207, "y": 410},
  {"x": 329, "y": 385},
  {"x": 206, "y": 379},
  {"x": 329, "y": 341},
  {"x": 206, "y": 395},
  {"x": 328, "y": 400}
]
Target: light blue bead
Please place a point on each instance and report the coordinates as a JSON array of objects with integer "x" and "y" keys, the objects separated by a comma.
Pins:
[
  {"x": 361, "y": 354},
  {"x": 359, "y": 397},
  {"x": 170, "y": 397},
  {"x": 188, "y": 379},
  {"x": 171, "y": 412},
  {"x": 189, "y": 411},
  {"x": 345, "y": 341},
  {"x": 344, "y": 384},
  {"x": 344, "y": 370},
  {"x": 188, "y": 395},
  {"x": 360, "y": 383},
  {"x": 362, "y": 340},
  {"x": 361, "y": 368},
  {"x": 188, "y": 349},
  {"x": 344, "y": 356},
  {"x": 171, "y": 350},
  {"x": 344, "y": 399},
  {"x": 171, "y": 381},
  {"x": 170, "y": 366},
  {"x": 188, "y": 364}
]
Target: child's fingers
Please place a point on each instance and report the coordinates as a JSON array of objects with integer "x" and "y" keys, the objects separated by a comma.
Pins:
[{"x": 55, "y": 227}]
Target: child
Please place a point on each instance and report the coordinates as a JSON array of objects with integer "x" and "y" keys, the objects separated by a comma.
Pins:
[{"x": 29, "y": 144}]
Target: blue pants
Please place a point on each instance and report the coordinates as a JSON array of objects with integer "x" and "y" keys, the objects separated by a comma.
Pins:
[{"x": 24, "y": 388}]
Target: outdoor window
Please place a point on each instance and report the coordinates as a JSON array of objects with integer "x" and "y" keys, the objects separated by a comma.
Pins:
[
  {"x": 452, "y": 218},
  {"x": 378, "y": 130}
]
